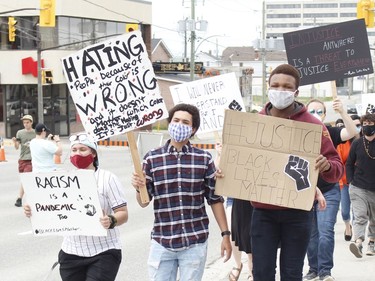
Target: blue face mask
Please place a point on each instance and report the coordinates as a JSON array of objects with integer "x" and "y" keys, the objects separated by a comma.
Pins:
[
  {"x": 359, "y": 129},
  {"x": 179, "y": 132}
]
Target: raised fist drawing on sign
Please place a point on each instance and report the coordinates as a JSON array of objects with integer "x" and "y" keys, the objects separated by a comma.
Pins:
[
  {"x": 234, "y": 105},
  {"x": 298, "y": 169}
]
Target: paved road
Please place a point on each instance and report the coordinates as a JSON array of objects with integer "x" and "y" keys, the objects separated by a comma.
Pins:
[{"x": 27, "y": 258}]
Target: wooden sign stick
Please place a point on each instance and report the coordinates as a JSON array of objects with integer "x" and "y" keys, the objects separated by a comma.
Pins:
[
  {"x": 334, "y": 90},
  {"x": 137, "y": 165}
]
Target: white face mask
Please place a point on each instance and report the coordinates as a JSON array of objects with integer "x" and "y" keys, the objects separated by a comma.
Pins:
[{"x": 281, "y": 99}]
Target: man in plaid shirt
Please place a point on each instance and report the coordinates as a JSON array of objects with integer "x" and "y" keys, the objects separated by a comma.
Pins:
[{"x": 179, "y": 177}]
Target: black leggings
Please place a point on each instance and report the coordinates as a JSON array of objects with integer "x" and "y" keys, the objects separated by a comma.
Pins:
[{"x": 102, "y": 267}]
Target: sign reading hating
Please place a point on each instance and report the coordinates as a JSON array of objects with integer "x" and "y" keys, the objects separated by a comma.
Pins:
[
  {"x": 63, "y": 203},
  {"x": 269, "y": 160},
  {"x": 113, "y": 86},
  {"x": 211, "y": 96},
  {"x": 330, "y": 52}
]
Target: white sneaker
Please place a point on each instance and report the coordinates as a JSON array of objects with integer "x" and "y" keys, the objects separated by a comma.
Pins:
[{"x": 371, "y": 249}]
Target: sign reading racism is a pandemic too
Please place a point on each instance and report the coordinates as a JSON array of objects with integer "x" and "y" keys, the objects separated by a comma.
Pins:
[
  {"x": 211, "y": 96},
  {"x": 269, "y": 160},
  {"x": 329, "y": 52},
  {"x": 64, "y": 203},
  {"x": 113, "y": 86}
]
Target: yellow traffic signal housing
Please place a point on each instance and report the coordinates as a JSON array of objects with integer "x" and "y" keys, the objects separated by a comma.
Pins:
[
  {"x": 365, "y": 10},
  {"x": 12, "y": 29},
  {"x": 47, "y": 77},
  {"x": 47, "y": 13},
  {"x": 129, "y": 27}
]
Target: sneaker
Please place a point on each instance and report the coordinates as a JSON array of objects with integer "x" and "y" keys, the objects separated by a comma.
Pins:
[
  {"x": 327, "y": 278},
  {"x": 18, "y": 202},
  {"x": 356, "y": 249},
  {"x": 371, "y": 249},
  {"x": 311, "y": 276}
]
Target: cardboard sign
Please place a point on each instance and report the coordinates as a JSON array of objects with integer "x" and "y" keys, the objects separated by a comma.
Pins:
[
  {"x": 269, "y": 160},
  {"x": 212, "y": 96},
  {"x": 330, "y": 52},
  {"x": 64, "y": 203},
  {"x": 113, "y": 86}
]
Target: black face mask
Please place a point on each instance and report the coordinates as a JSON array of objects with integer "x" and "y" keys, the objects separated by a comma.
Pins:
[{"x": 368, "y": 130}]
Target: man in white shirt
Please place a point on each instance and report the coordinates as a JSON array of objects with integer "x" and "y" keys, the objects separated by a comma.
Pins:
[{"x": 43, "y": 150}]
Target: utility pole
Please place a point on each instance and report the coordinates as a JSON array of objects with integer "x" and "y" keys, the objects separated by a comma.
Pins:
[
  {"x": 264, "y": 73},
  {"x": 192, "y": 42}
]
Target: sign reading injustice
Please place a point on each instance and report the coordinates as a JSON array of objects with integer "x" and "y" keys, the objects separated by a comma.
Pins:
[
  {"x": 211, "y": 96},
  {"x": 113, "y": 86},
  {"x": 64, "y": 203},
  {"x": 269, "y": 160},
  {"x": 329, "y": 52}
]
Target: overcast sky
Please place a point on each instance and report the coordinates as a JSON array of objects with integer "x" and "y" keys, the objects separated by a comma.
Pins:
[{"x": 230, "y": 23}]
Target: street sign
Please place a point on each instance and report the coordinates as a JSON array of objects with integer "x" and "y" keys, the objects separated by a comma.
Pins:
[{"x": 176, "y": 67}]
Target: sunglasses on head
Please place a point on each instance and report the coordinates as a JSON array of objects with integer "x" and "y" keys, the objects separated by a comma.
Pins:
[
  {"x": 318, "y": 111},
  {"x": 79, "y": 137}
]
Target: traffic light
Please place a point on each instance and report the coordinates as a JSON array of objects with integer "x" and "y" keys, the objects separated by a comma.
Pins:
[
  {"x": 129, "y": 27},
  {"x": 12, "y": 29},
  {"x": 47, "y": 13},
  {"x": 47, "y": 77},
  {"x": 365, "y": 10}
]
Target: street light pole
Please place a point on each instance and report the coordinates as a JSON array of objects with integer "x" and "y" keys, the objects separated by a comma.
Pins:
[
  {"x": 264, "y": 74},
  {"x": 192, "y": 42}
]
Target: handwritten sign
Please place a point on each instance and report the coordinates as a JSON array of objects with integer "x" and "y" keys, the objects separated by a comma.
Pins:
[
  {"x": 269, "y": 160},
  {"x": 113, "y": 86},
  {"x": 63, "y": 203},
  {"x": 329, "y": 52},
  {"x": 212, "y": 96}
]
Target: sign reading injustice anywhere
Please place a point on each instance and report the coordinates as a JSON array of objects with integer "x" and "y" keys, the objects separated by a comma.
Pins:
[
  {"x": 329, "y": 52},
  {"x": 211, "y": 96},
  {"x": 64, "y": 203},
  {"x": 269, "y": 160},
  {"x": 113, "y": 86}
]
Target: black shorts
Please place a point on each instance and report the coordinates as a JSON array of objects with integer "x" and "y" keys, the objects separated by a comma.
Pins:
[{"x": 102, "y": 267}]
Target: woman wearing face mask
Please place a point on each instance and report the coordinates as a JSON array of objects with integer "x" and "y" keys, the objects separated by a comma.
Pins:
[
  {"x": 360, "y": 167},
  {"x": 91, "y": 257}
]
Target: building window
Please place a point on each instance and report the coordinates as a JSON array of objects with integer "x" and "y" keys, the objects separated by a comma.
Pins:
[{"x": 321, "y": 5}]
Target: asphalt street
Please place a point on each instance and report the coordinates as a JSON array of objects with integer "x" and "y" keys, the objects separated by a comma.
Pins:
[{"x": 28, "y": 258}]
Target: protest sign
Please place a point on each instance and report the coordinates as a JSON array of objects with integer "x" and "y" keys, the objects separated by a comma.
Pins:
[
  {"x": 367, "y": 104},
  {"x": 64, "y": 203},
  {"x": 113, "y": 86},
  {"x": 329, "y": 52},
  {"x": 211, "y": 96},
  {"x": 269, "y": 160}
]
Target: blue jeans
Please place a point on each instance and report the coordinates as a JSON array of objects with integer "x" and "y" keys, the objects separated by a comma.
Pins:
[
  {"x": 163, "y": 263},
  {"x": 345, "y": 203},
  {"x": 322, "y": 242},
  {"x": 289, "y": 228}
]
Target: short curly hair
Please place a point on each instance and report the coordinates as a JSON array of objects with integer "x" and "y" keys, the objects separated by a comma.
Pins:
[
  {"x": 191, "y": 109},
  {"x": 288, "y": 70},
  {"x": 369, "y": 117}
]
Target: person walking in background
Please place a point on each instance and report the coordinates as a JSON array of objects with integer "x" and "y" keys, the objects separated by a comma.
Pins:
[
  {"x": 239, "y": 213},
  {"x": 274, "y": 226},
  {"x": 360, "y": 167},
  {"x": 322, "y": 241},
  {"x": 179, "y": 177},
  {"x": 95, "y": 258},
  {"x": 343, "y": 151},
  {"x": 43, "y": 150},
  {"x": 22, "y": 139}
]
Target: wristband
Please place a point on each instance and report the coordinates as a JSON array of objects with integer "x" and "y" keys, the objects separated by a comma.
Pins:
[
  {"x": 113, "y": 222},
  {"x": 226, "y": 232}
]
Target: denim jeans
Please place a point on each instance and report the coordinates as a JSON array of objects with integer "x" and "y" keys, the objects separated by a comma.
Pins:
[
  {"x": 345, "y": 203},
  {"x": 322, "y": 242},
  {"x": 163, "y": 263},
  {"x": 288, "y": 228}
]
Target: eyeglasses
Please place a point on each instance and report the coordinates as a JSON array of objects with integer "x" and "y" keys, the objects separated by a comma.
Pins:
[
  {"x": 80, "y": 137},
  {"x": 318, "y": 111}
]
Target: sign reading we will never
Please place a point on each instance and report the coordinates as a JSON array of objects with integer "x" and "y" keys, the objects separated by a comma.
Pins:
[
  {"x": 329, "y": 52},
  {"x": 269, "y": 160},
  {"x": 63, "y": 203},
  {"x": 113, "y": 86},
  {"x": 211, "y": 96}
]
